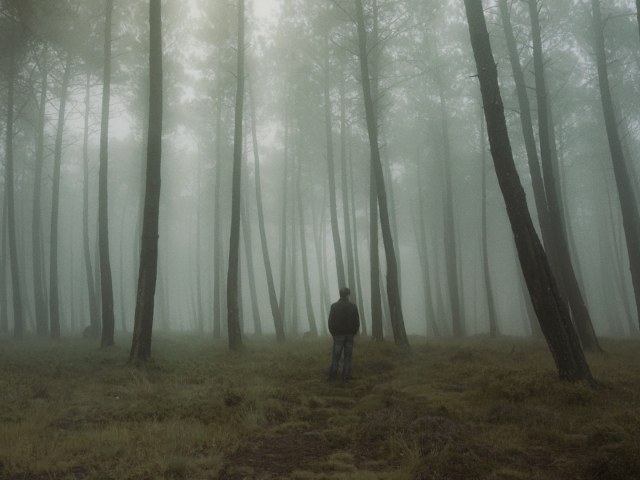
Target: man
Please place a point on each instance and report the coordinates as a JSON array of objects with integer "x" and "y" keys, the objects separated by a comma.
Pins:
[{"x": 344, "y": 323}]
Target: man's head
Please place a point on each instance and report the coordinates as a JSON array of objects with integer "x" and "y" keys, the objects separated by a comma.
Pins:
[{"x": 345, "y": 292}]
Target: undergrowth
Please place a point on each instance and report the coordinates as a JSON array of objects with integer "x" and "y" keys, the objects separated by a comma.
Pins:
[{"x": 477, "y": 408}]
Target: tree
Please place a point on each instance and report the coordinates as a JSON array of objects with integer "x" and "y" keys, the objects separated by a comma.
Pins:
[
  {"x": 42, "y": 319},
  {"x": 143, "y": 319},
  {"x": 273, "y": 301},
  {"x": 108, "y": 320},
  {"x": 551, "y": 310},
  {"x": 393, "y": 289},
  {"x": 94, "y": 311},
  {"x": 233, "y": 320},
  {"x": 567, "y": 276},
  {"x": 54, "y": 306},
  {"x": 628, "y": 202}
]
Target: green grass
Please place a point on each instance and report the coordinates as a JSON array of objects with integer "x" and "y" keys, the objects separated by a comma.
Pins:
[{"x": 479, "y": 408}]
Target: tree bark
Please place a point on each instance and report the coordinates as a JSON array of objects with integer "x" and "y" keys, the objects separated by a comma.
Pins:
[
  {"x": 273, "y": 301},
  {"x": 106, "y": 283},
  {"x": 4, "y": 310},
  {"x": 526, "y": 122},
  {"x": 333, "y": 209},
  {"x": 143, "y": 320},
  {"x": 450, "y": 251},
  {"x": 421, "y": 241},
  {"x": 550, "y": 308},
  {"x": 579, "y": 310},
  {"x": 313, "y": 329},
  {"x": 248, "y": 246},
  {"x": 42, "y": 318},
  {"x": 345, "y": 190},
  {"x": 493, "y": 320},
  {"x": 283, "y": 225},
  {"x": 217, "y": 227},
  {"x": 233, "y": 319},
  {"x": 94, "y": 311},
  {"x": 18, "y": 314},
  {"x": 628, "y": 205},
  {"x": 393, "y": 289},
  {"x": 54, "y": 301},
  {"x": 359, "y": 297}
]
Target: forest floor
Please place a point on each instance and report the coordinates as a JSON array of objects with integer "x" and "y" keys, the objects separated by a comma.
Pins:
[{"x": 471, "y": 409}]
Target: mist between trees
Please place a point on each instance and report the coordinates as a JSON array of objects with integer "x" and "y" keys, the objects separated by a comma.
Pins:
[{"x": 345, "y": 146}]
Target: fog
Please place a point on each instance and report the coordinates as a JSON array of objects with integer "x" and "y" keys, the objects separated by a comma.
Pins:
[{"x": 430, "y": 129}]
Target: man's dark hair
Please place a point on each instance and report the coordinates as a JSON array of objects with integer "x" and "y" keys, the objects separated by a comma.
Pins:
[{"x": 344, "y": 292}]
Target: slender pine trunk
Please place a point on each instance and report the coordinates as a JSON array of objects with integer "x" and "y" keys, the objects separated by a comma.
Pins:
[
  {"x": 273, "y": 301},
  {"x": 233, "y": 318},
  {"x": 143, "y": 319},
  {"x": 54, "y": 301}
]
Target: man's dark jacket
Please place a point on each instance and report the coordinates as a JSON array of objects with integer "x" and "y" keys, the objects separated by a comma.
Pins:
[{"x": 344, "y": 318}]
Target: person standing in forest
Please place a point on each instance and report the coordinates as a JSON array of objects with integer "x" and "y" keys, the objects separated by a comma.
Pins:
[{"x": 344, "y": 323}]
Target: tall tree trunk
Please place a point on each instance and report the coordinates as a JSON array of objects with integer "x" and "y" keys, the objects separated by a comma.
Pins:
[
  {"x": 493, "y": 320},
  {"x": 539, "y": 195},
  {"x": 421, "y": 240},
  {"x": 143, "y": 319},
  {"x": 313, "y": 329},
  {"x": 393, "y": 289},
  {"x": 217, "y": 227},
  {"x": 377, "y": 330},
  {"x": 4, "y": 310},
  {"x": 94, "y": 311},
  {"x": 333, "y": 208},
  {"x": 123, "y": 317},
  {"x": 345, "y": 191},
  {"x": 450, "y": 251},
  {"x": 550, "y": 308},
  {"x": 359, "y": 297},
  {"x": 628, "y": 205},
  {"x": 106, "y": 284},
  {"x": 199, "y": 309},
  {"x": 42, "y": 318},
  {"x": 248, "y": 246},
  {"x": 273, "y": 301},
  {"x": 54, "y": 301},
  {"x": 283, "y": 225},
  {"x": 579, "y": 310},
  {"x": 233, "y": 319},
  {"x": 18, "y": 314}
]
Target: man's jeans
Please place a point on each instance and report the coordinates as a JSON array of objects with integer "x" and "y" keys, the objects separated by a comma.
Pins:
[{"x": 341, "y": 342}]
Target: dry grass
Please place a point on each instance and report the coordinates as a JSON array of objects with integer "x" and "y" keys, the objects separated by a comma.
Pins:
[{"x": 449, "y": 410}]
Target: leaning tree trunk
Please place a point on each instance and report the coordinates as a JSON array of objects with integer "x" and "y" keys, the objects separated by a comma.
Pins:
[
  {"x": 539, "y": 195},
  {"x": 143, "y": 319},
  {"x": 579, "y": 310},
  {"x": 273, "y": 301},
  {"x": 54, "y": 301},
  {"x": 628, "y": 205},
  {"x": 106, "y": 284},
  {"x": 549, "y": 305},
  {"x": 233, "y": 319},
  {"x": 94, "y": 311},
  {"x": 42, "y": 318},
  {"x": 393, "y": 288},
  {"x": 18, "y": 314}
]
